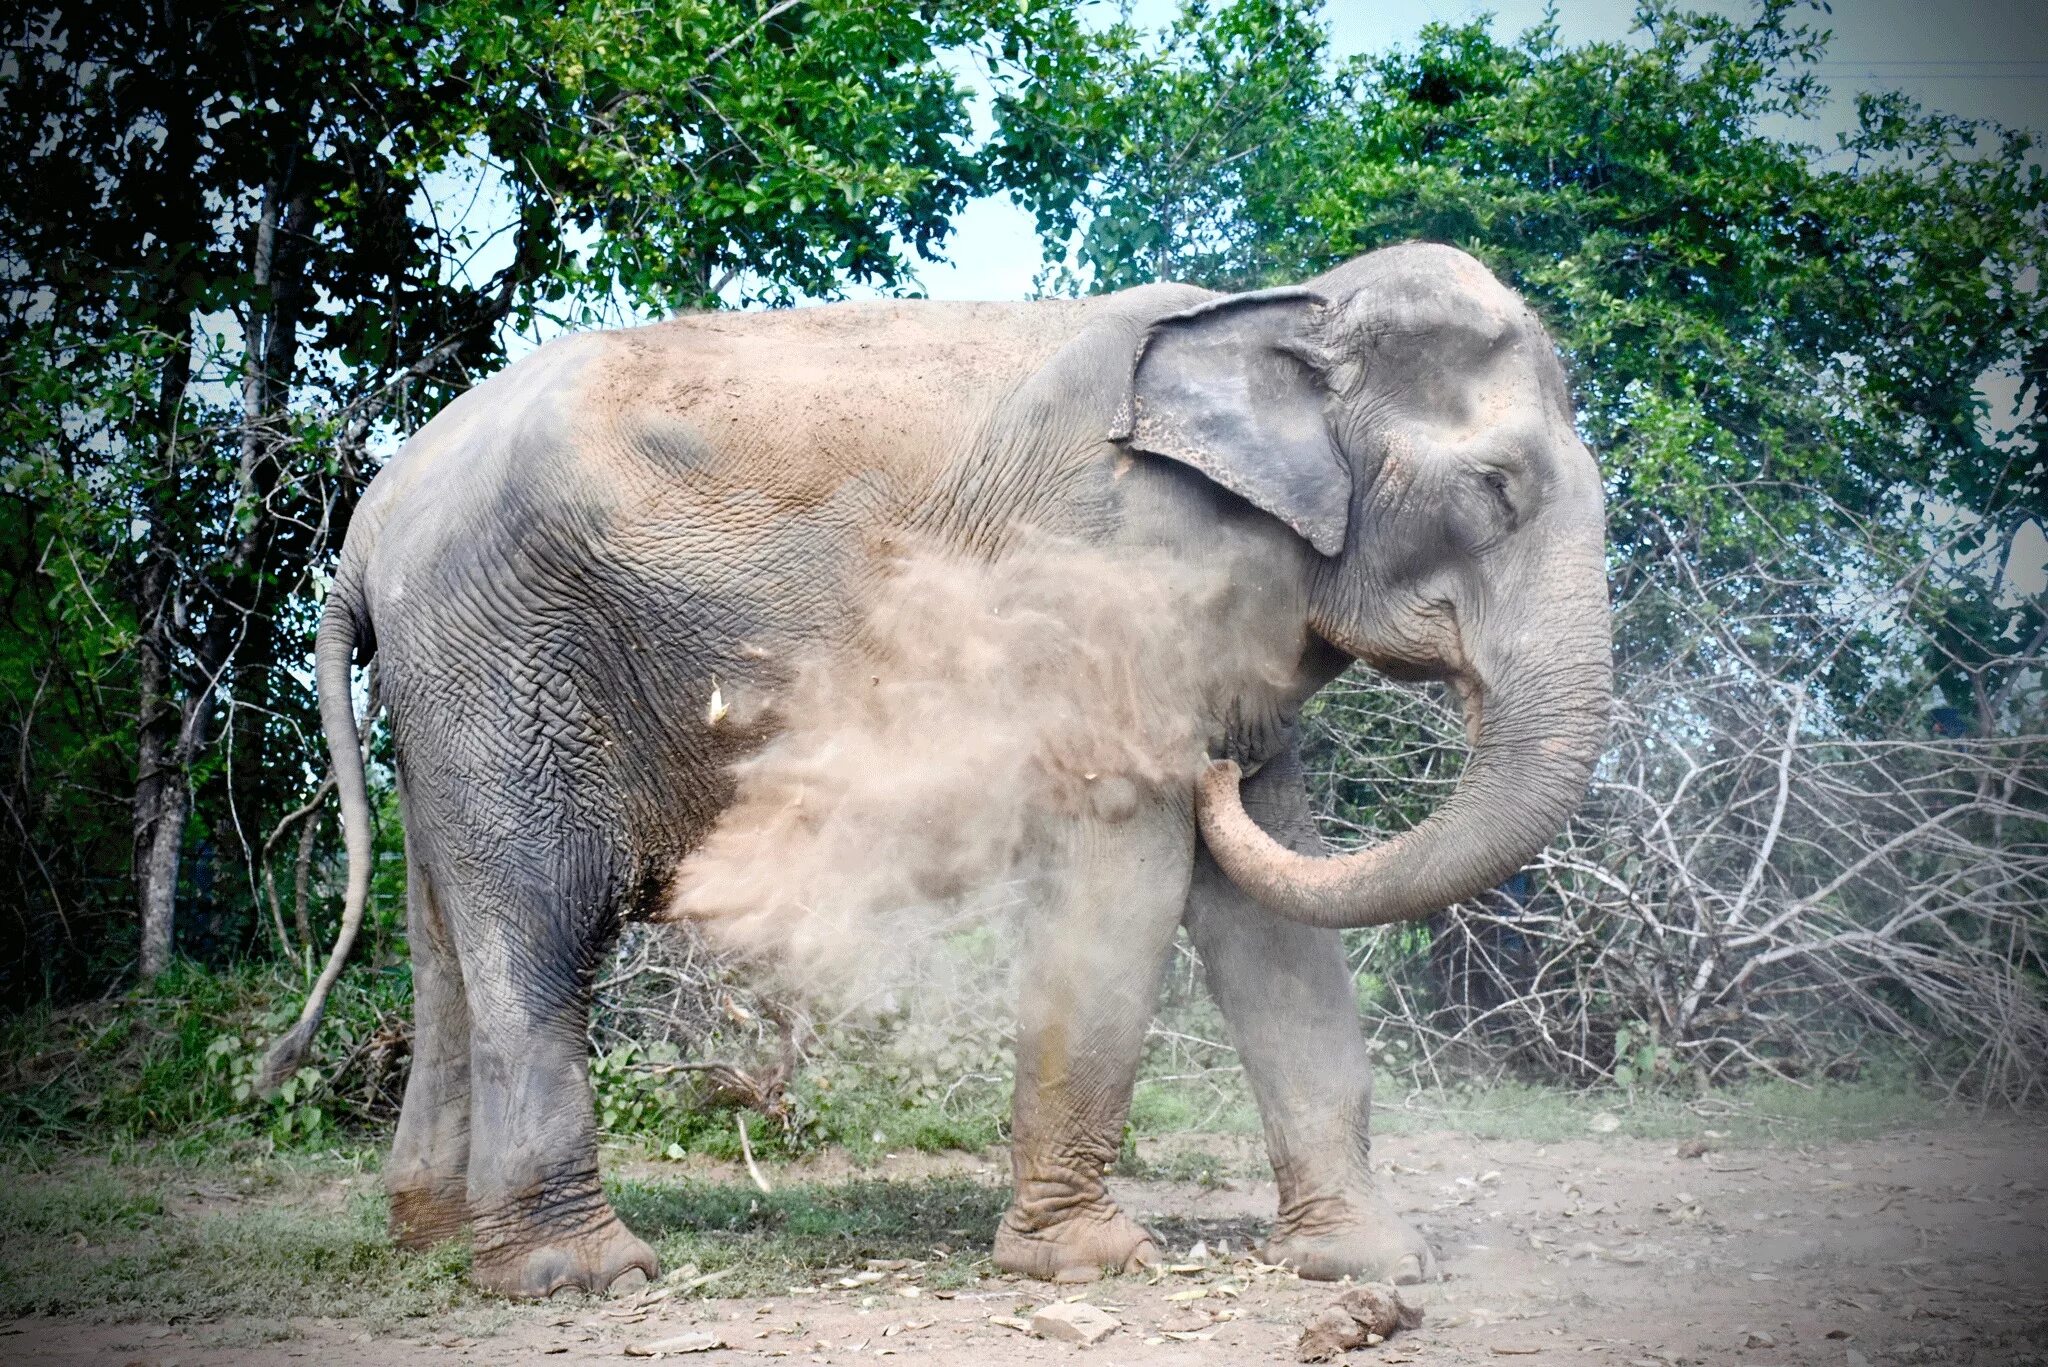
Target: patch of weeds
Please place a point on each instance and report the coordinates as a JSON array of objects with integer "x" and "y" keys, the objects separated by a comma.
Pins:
[
  {"x": 764, "y": 1244},
  {"x": 1779, "y": 1111},
  {"x": 174, "y": 1062},
  {"x": 848, "y": 1100},
  {"x": 1217, "y": 1103},
  {"x": 102, "y": 1248},
  {"x": 1206, "y": 1170},
  {"x": 92, "y": 1209},
  {"x": 867, "y": 1114}
]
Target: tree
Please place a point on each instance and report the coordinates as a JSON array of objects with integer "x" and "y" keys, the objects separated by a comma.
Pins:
[
  {"x": 246, "y": 263},
  {"x": 1777, "y": 355}
]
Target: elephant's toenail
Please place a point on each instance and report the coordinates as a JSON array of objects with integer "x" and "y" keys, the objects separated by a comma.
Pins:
[
  {"x": 632, "y": 1279},
  {"x": 566, "y": 1293},
  {"x": 1084, "y": 1273},
  {"x": 1408, "y": 1272}
]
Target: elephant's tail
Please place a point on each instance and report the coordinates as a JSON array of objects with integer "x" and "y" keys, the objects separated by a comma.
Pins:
[{"x": 332, "y": 653}]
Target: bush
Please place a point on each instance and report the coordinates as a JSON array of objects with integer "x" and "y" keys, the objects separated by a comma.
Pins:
[{"x": 1765, "y": 879}]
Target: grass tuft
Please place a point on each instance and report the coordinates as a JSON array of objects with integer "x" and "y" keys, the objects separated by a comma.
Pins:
[{"x": 767, "y": 1243}]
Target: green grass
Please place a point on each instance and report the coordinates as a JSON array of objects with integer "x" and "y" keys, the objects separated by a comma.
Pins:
[
  {"x": 106, "y": 1244},
  {"x": 767, "y": 1243}
]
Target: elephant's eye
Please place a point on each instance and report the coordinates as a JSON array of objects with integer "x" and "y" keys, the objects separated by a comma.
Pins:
[{"x": 1497, "y": 484}]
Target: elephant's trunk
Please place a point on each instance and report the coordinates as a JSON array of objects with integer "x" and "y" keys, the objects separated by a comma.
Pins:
[{"x": 1542, "y": 707}]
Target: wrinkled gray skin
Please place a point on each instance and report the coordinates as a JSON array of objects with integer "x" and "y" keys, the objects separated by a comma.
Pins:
[{"x": 553, "y": 572}]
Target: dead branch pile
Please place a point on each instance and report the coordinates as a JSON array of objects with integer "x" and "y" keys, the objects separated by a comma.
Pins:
[{"x": 1760, "y": 879}]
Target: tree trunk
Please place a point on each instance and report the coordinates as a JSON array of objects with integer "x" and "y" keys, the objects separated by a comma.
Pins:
[{"x": 160, "y": 783}]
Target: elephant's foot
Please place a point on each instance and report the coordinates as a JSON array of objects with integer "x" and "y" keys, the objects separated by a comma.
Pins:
[
  {"x": 1077, "y": 1245},
  {"x": 425, "y": 1215},
  {"x": 605, "y": 1259},
  {"x": 1353, "y": 1236}
]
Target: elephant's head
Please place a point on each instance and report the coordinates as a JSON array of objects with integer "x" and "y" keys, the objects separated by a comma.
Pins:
[{"x": 1406, "y": 414}]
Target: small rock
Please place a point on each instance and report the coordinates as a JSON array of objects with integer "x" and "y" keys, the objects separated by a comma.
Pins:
[
  {"x": 694, "y": 1342},
  {"x": 1856, "y": 1359},
  {"x": 1073, "y": 1322},
  {"x": 1607, "y": 1122},
  {"x": 1757, "y": 1338}
]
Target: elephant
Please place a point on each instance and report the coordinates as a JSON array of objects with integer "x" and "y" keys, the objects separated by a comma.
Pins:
[{"x": 555, "y": 573}]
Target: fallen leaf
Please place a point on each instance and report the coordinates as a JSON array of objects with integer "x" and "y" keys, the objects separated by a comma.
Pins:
[
  {"x": 703, "y": 1279},
  {"x": 693, "y": 1342}
]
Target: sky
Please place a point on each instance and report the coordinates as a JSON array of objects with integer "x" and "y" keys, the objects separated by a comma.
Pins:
[{"x": 1975, "y": 58}]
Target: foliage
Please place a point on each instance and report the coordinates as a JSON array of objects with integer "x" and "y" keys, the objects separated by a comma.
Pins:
[
  {"x": 265, "y": 240},
  {"x": 1778, "y": 353},
  {"x": 173, "y": 1061}
]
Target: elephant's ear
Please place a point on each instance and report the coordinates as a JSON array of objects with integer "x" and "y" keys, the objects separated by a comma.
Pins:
[{"x": 1235, "y": 388}]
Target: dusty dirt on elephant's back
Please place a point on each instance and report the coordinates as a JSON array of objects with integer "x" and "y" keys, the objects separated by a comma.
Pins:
[{"x": 1929, "y": 1247}]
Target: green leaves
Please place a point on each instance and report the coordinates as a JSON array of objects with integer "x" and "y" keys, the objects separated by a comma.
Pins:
[
  {"x": 268, "y": 239},
  {"x": 1762, "y": 338}
]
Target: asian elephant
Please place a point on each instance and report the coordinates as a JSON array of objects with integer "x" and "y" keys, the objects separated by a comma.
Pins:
[{"x": 558, "y": 569}]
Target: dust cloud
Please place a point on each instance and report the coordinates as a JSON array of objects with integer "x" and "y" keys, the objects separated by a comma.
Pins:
[{"x": 920, "y": 776}]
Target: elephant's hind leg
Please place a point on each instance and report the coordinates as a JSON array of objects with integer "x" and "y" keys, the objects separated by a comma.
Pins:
[
  {"x": 427, "y": 1176},
  {"x": 1093, "y": 960},
  {"x": 542, "y": 1222},
  {"x": 1288, "y": 1000}
]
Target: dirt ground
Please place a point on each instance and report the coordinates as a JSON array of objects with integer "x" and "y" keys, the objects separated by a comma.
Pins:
[{"x": 1926, "y": 1247}]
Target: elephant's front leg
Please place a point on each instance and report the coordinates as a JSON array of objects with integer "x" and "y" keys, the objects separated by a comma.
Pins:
[
  {"x": 1093, "y": 958},
  {"x": 1289, "y": 1003}
]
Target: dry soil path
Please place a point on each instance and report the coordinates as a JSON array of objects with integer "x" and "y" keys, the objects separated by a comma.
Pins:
[{"x": 1927, "y": 1247}]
